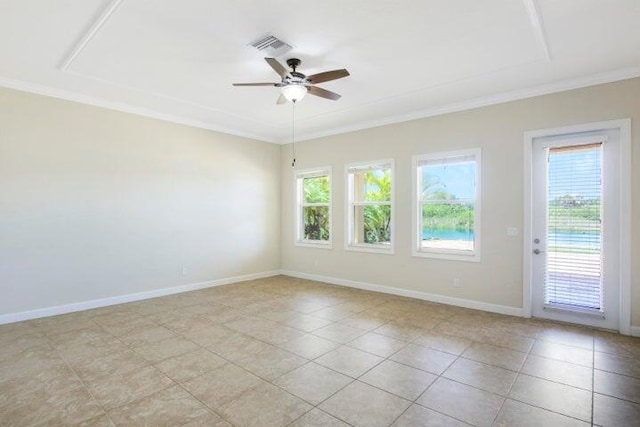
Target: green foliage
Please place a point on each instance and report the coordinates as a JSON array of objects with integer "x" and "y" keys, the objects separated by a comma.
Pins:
[
  {"x": 316, "y": 189},
  {"x": 316, "y": 222},
  {"x": 442, "y": 212},
  {"x": 377, "y": 218},
  {"x": 377, "y": 224},
  {"x": 316, "y": 218},
  {"x": 570, "y": 213},
  {"x": 590, "y": 212},
  {"x": 377, "y": 185},
  {"x": 448, "y": 216},
  {"x": 432, "y": 188}
]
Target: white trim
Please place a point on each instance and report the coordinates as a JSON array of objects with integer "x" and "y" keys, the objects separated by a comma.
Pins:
[
  {"x": 527, "y": 225},
  {"x": 297, "y": 206},
  {"x": 581, "y": 128},
  {"x": 124, "y": 108},
  {"x": 371, "y": 248},
  {"x": 626, "y": 197},
  {"x": 89, "y": 34},
  {"x": 170, "y": 98},
  {"x": 470, "y": 104},
  {"x": 538, "y": 27},
  {"x": 546, "y": 89},
  {"x": 624, "y": 126},
  {"x": 443, "y": 299},
  {"x": 316, "y": 244},
  {"x": 348, "y": 226},
  {"x": 446, "y": 253},
  {"x": 635, "y": 331},
  {"x": 121, "y": 299}
]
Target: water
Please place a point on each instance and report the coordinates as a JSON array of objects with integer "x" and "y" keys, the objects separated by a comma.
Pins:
[
  {"x": 448, "y": 234},
  {"x": 589, "y": 240}
]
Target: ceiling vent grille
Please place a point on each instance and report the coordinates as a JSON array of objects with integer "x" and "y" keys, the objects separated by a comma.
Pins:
[{"x": 271, "y": 46}]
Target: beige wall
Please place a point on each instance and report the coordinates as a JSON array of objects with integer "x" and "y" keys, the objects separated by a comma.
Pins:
[
  {"x": 96, "y": 203},
  {"x": 498, "y": 130}
]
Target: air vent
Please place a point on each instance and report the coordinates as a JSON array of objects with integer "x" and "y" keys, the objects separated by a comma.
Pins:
[{"x": 271, "y": 46}]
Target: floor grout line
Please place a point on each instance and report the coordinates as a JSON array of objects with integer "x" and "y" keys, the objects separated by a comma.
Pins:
[{"x": 337, "y": 298}]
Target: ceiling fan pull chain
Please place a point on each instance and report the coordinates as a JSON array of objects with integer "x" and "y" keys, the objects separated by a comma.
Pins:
[{"x": 293, "y": 134}]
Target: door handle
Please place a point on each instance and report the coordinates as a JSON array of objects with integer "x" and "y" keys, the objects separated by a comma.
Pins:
[{"x": 537, "y": 251}]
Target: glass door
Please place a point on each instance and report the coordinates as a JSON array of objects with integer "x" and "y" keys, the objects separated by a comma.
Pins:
[{"x": 575, "y": 234}]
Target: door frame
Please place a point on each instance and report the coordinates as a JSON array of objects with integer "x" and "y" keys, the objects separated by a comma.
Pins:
[{"x": 624, "y": 127}]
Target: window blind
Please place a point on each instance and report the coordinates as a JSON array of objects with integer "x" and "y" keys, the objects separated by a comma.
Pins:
[
  {"x": 368, "y": 168},
  {"x": 442, "y": 161},
  {"x": 573, "y": 274}
]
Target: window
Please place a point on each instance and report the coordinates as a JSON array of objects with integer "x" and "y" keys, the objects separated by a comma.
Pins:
[
  {"x": 573, "y": 231},
  {"x": 369, "y": 207},
  {"x": 313, "y": 207},
  {"x": 447, "y": 205}
]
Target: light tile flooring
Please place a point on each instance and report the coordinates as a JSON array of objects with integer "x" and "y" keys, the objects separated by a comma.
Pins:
[{"x": 283, "y": 351}]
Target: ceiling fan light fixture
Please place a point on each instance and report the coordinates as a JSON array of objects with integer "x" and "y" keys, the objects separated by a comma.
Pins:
[{"x": 294, "y": 92}]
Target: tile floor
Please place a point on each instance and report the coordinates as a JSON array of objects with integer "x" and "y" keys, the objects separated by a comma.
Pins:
[{"x": 289, "y": 352}]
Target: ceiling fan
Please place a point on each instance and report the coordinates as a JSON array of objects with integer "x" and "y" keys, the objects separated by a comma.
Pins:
[{"x": 295, "y": 85}]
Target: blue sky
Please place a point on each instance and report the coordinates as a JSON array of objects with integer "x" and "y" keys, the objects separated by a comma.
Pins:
[
  {"x": 458, "y": 179},
  {"x": 575, "y": 173}
]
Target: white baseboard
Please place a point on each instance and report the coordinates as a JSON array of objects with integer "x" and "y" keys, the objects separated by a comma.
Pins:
[
  {"x": 635, "y": 331},
  {"x": 460, "y": 302},
  {"x": 121, "y": 299}
]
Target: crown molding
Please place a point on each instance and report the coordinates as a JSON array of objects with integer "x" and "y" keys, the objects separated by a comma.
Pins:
[
  {"x": 92, "y": 31},
  {"x": 125, "y": 108},
  {"x": 546, "y": 89}
]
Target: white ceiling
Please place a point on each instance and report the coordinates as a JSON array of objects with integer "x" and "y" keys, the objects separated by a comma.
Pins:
[{"x": 176, "y": 60}]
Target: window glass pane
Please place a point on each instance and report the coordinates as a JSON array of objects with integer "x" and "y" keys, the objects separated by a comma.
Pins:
[
  {"x": 448, "y": 225},
  {"x": 574, "y": 229},
  {"x": 372, "y": 185},
  {"x": 455, "y": 181},
  {"x": 372, "y": 224},
  {"x": 316, "y": 222},
  {"x": 316, "y": 189}
]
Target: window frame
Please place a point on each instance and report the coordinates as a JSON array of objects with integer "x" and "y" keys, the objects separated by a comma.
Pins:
[
  {"x": 349, "y": 244},
  {"x": 299, "y": 205},
  {"x": 446, "y": 253}
]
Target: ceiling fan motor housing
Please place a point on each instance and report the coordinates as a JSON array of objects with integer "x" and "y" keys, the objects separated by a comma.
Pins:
[
  {"x": 297, "y": 77},
  {"x": 293, "y": 63}
]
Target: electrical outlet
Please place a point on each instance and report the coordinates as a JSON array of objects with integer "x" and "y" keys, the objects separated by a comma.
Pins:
[
  {"x": 184, "y": 271},
  {"x": 456, "y": 282},
  {"x": 512, "y": 231}
]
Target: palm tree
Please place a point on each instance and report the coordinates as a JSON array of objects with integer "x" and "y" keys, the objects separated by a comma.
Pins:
[
  {"x": 377, "y": 218},
  {"x": 316, "y": 218}
]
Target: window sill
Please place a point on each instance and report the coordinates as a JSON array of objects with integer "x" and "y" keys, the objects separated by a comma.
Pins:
[
  {"x": 313, "y": 244},
  {"x": 451, "y": 255},
  {"x": 386, "y": 250}
]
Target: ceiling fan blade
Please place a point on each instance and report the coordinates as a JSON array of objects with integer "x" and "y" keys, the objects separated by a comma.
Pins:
[
  {"x": 255, "y": 84},
  {"x": 327, "y": 76},
  {"x": 281, "y": 99},
  {"x": 323, "y": 93},
  {"x": 278, "y": 67}
]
